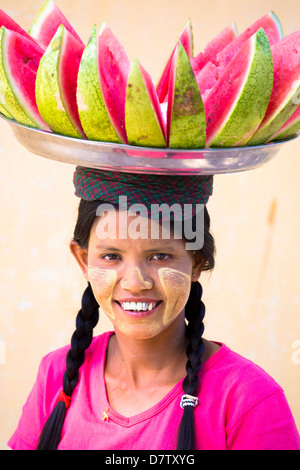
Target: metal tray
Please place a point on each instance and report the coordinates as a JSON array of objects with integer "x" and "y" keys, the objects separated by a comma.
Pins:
[{"x": 129, "y": 158}]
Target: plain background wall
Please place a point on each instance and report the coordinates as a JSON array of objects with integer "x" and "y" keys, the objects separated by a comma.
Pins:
[{"x": 253, "y": 295}]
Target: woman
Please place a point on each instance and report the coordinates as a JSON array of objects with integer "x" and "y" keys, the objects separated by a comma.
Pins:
[{"x": 155, "y": 382}]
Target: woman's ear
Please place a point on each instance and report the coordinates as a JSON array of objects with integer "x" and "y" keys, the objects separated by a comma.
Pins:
[
  {"x": 198, "y": 265},
  {"x": 81, "y": 256}
]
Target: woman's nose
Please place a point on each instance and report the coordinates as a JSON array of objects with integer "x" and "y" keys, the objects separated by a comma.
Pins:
[{"x": 135, "y": 281}]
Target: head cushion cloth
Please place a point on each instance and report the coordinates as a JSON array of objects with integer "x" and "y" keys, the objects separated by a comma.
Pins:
[{"x": 92, "y": 184}]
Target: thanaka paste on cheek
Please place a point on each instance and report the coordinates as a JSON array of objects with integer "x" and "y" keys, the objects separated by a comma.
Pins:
[
  {"x": 177, "y": 287},
  {"x": 103, "y": 282}
]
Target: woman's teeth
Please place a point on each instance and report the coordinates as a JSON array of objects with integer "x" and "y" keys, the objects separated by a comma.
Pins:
[{"x": 138, "y": 306}]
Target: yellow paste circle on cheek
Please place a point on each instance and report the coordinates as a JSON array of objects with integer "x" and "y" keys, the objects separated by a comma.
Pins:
[
  {"x": 103, "y": 282},
  {"x": 176, "y": 286}
]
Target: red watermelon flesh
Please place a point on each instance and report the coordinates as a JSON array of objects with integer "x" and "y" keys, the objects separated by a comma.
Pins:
[
  {"x": 153, "y": 98},
  {"x": 22, "y": 57},
  {"x": 113, "y": 67},
  {"x": 46, "y": 23},
  {"x": 186, "y": 39},
  {"x": 70, "y": 58},
  {"x": 207, "y": 78},
  {"x": 272, "y": 27},
  {"x": 214, "y": 112},
  {"x": 11, "y": 24},
  {"x": 211, "y": 50},
  {"x": 198, "y": 62}
]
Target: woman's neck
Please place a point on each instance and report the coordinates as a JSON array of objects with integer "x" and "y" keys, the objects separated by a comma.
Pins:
[{"x": 141, "y": 362}]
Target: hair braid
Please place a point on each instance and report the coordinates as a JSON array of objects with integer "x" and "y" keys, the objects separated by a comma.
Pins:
[
  {"x": 86, "y": 320},
  {"x": 194, "y": 312}
]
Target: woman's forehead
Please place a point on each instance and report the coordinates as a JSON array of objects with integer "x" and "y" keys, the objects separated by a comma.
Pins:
[
  {"x": 126, "y": 225},
  {"x": 133, "y": 232}
]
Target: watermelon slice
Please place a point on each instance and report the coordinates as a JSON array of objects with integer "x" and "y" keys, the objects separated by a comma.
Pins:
[
  {"x": 46, "y": 23},
  {"x": 94, "y": 116},
  {"x": 272, "y": 27},
  {"x": 113, "y": 66},
  {"x": 289, "y": 128},
  {"x": 186, "y": 39},
  {"x": 212, "y": 49},
  {"x": 237, "y": 103},
  {"x": 186, "y": 122},
  {"x": 9, "y": 23},
  {"x": 19, "y": 61},
  {"x": 56, "y": 84},
  {"x": 143, "y": 117},
  {"x": 282, "y": 105}
]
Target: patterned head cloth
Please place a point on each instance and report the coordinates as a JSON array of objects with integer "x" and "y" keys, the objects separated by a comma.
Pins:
[{"x": 145, "y": 189}]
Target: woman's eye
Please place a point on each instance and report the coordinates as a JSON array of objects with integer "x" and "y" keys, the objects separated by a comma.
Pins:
[
  {"x": 161, "y": 256},
  {"x": 110, "y": 257}
]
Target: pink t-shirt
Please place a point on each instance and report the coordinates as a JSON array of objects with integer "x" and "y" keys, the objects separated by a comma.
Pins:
[{"x": 240, "y": 407}]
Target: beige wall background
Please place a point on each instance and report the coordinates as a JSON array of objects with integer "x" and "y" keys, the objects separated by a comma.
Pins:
[{"x": 253, "y": 295}]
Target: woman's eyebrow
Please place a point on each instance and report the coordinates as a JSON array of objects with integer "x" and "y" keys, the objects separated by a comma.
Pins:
[
  {"x": 162, "y": 249},
  {"x": 150, "y": 250},
  {"x": 109, "y": 248}
]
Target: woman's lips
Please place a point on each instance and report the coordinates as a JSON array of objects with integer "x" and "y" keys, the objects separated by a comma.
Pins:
[{"x": 138, "y": 309}]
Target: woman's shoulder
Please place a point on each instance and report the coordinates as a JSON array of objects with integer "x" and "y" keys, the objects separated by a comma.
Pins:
[
  {"x": 253, "y": 405},
  {"x": 237, "y": 372}
]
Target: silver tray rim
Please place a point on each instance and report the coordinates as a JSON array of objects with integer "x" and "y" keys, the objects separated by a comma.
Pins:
[{"x": 135, "y": 159}]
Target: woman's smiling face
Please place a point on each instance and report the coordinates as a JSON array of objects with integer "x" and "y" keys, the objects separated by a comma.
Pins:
[{"x": 142, "y": 285}]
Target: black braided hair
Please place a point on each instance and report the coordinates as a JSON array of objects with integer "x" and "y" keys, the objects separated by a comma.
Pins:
[
  {"x": 86, "y": 320},
  {"x": 194, "y": 313}
]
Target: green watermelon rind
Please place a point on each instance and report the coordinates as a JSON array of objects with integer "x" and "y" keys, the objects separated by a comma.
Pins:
[
  {"x": 287, "y": 133},
  {"x": 287, "y": 108},
  {"x": 277, "y": 22},
  {"x": 251, "y": 104},
  {"x": 91, "y": 107},
  {"x": 187, "y": 123},
  {"x": 4, "y": 111},
  {"x": 142, "y": 126},
  {"x": 13, "y": 102},
  {"x": 48, "y": 96}
]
